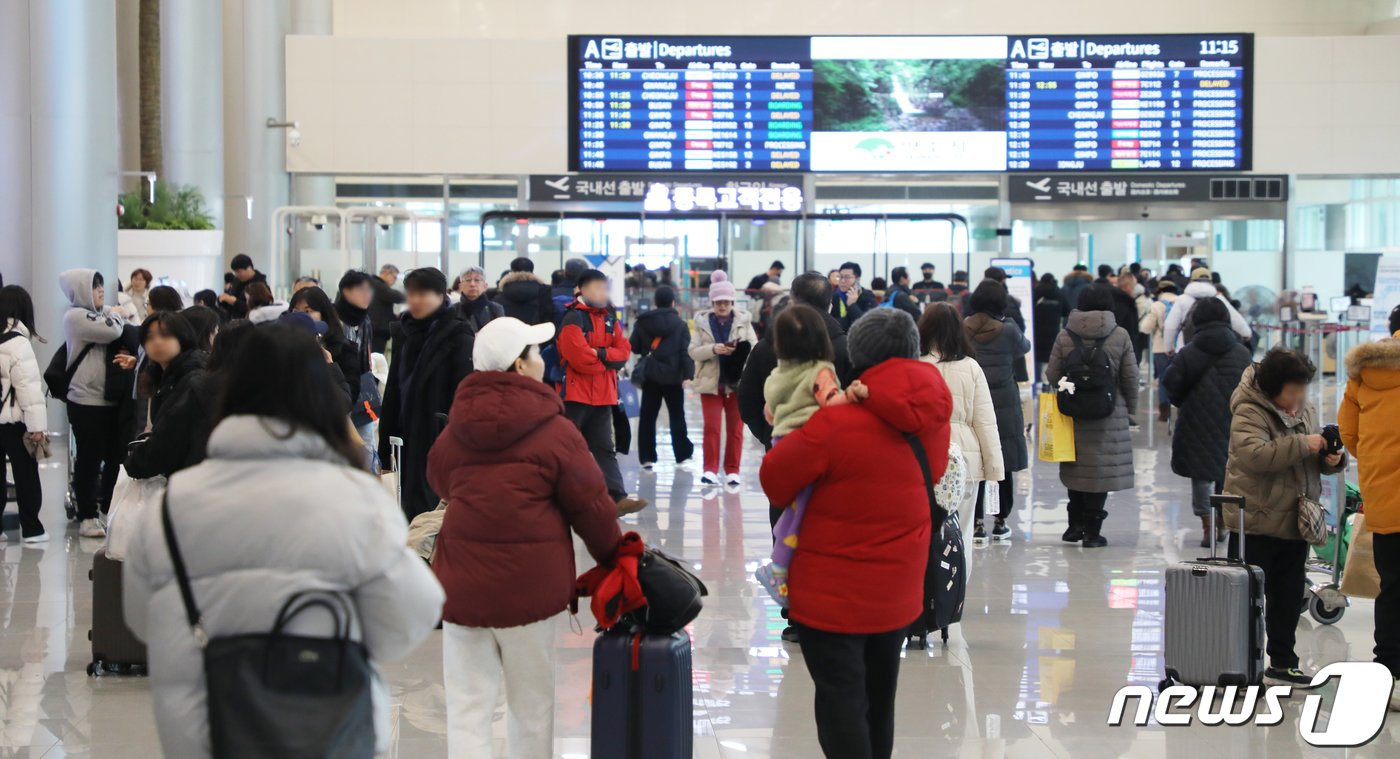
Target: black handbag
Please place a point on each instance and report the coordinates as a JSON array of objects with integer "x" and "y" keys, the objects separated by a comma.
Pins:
[
  {"x": 673, "y": 594},
  {"x": 279, "y": 695}
]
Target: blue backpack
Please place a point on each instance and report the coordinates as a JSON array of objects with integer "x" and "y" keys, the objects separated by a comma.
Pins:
[
  {"x": 889, "y": 300},
  {"x": 553, "y": 363}
]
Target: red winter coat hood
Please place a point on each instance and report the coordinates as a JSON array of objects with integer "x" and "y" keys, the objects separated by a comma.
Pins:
[
  {"x": 900, "y": 397},
  {"x": 493, "y": 410},
  {"x": 861, "y": 553},
  {"x": 517, "y": 477}
]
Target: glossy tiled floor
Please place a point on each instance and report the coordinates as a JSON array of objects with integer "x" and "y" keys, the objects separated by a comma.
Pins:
[{"x": 1051, "y": 632}]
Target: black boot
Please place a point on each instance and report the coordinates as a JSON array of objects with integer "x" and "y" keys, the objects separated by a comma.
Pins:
[
  {"x": 1075, "y": 532},
  {"x": 1092, "y": 538}
]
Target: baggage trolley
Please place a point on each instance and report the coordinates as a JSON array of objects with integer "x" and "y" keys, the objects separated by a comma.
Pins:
[{"x": 1324, "y": 601}]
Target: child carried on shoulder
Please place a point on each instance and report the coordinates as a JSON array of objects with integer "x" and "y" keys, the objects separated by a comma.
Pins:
[{"x": 804, "y": 382}]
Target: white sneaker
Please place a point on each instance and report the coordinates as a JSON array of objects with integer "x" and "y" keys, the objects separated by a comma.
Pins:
[
  {"x": 42, "y": 537},
  {"x": 92, "y": 528},
  {"x": 647, "y": 466},
  {"x": 709, "y": 478},
  {"x": 4, "y": 538},
  {"x": 732, "y": 481}
]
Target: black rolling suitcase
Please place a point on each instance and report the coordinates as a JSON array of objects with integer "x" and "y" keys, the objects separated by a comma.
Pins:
[
  {"x": 1213, "y": 632},
  {"x": 642, "y": 697},
  {"x": 114, "y": 647},
  {"x": 945, "y": 577},
  {"x": 945, "y": 585}
]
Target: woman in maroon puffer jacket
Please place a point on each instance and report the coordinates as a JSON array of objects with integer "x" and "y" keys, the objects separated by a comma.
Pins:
[{"x": 518, "y": 476}]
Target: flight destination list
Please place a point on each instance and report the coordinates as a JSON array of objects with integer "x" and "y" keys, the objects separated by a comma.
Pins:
[
  {"x": 905, "y": 103},
  {"x": 695, "y": 104}
]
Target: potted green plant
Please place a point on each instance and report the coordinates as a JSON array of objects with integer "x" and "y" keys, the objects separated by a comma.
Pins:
[{"x": 173, "y": 236}]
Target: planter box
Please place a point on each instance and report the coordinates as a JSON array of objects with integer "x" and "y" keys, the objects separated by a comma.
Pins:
[{"x": 192, "y": 260}]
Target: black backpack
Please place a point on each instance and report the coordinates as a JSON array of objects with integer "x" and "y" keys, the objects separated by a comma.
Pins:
[
  {"x": 1095, "y": 385},
  {"x": 59, "y": 374}
]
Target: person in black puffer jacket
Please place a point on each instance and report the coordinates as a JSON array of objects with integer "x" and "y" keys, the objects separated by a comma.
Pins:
[
  {"x": 813, "y": 290},
  {"x": 662, "y": 338},
  {"x": 524, "y": 296},
  {"x": 352, "y": 306},
  {"x": 1199, "y": 381},
  {"x": 1000, "y": 346},
  {"x": 180, "y": 411},
  {"x": 1048, "y": 319}
]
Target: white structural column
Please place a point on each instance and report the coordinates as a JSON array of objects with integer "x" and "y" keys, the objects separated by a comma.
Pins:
[
  {"x": 15, "y": 260},
  {"x": 313, "y": 17},
  {"x": 58, "y": 147},
  {"x": 255, "y": 163},
  {"x": 192, "y": 98}
]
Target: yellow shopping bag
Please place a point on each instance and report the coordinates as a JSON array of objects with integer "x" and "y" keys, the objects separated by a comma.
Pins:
[{"x": 1056, "y": 431}]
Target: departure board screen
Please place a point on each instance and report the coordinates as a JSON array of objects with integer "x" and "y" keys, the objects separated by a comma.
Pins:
[
  {"x": 1129, "y": 102},
  {"x": 904, "y": 103}
]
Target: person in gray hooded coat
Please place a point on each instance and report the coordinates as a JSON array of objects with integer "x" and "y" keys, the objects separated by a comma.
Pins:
[
  {"x": 1103, "y": 448},
  {"x": 94, "y": 396}
]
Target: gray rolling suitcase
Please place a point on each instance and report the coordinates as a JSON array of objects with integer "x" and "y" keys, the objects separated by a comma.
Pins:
[{"x": 1214, "y": 631}]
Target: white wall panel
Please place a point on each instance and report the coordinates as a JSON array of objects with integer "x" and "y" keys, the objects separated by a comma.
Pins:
[
  {"x": 555, "y": 18},
  {"x": 499, "y": 106}
]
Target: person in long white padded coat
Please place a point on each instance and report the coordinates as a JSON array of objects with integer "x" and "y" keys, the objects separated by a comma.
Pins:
[
  {"x": 282, "y": 504},
  {"x": 23, "y": 412},
  {"x": 944, "y": 343}
]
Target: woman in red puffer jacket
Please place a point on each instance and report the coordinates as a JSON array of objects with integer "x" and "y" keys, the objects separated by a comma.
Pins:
[
  {"x": 857, "y": 579},
  {"x": 517, "y": 477}
]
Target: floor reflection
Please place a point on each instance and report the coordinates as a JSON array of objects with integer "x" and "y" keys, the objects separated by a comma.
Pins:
[{"x": 1051, "y": 631}]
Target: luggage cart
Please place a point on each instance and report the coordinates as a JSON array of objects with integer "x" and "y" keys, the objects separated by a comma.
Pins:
[
  {"x": 1324, "y": 602},
  {"x": 70, "y": 498}
]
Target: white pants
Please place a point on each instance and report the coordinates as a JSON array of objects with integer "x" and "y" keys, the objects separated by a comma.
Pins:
[{"x": 473, "y": 662}]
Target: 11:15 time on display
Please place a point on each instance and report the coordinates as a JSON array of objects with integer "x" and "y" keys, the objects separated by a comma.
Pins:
[{"x": 1220, "y": 47}]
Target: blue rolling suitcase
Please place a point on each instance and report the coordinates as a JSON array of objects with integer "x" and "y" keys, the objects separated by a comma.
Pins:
[{"x": 642, "y": 697}]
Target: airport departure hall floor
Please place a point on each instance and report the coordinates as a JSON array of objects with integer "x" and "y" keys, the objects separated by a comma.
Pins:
[{"x": 1051, "y": 632}]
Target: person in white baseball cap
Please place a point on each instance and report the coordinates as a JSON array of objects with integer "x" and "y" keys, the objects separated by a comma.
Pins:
[
  {"x": 504, "y": 344},
  {"x": 510, "y": 463}
]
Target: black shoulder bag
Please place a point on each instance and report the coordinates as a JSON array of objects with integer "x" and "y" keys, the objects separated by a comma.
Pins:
[{"x": 278, "y": 695}]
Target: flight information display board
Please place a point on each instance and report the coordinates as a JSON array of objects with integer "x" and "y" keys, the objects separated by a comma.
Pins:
[{"x": 935, "y": 103}]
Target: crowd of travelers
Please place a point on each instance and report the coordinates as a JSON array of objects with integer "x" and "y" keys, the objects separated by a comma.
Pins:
[{"x": 500, "y": 408}]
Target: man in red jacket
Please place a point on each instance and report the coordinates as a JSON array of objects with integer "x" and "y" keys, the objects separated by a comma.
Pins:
[{"x": 592, "y": 348}]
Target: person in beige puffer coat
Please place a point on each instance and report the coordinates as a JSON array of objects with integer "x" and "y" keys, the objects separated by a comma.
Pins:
[
  {"x": 945, "y": 344},
  {"x": 1276, "y": 455}
]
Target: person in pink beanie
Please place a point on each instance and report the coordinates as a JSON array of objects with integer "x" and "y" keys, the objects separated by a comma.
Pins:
[{"x": 720, "y": 345}]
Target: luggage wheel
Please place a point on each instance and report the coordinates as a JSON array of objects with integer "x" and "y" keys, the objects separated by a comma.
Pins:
[
  {"x": 99, "y": 667},
  {"x": 1321, "y": 614}
]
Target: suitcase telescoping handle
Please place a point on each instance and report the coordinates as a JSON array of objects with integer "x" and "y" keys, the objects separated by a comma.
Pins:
[{"x": 1217, "y": 503}]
